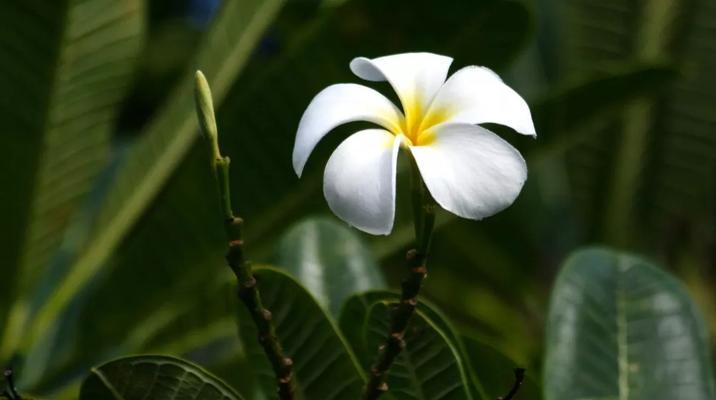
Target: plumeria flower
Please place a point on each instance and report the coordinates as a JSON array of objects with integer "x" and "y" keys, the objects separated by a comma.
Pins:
[{"x": 467, "y": 169}]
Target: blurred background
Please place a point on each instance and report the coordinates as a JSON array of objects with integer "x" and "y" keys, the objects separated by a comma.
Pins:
[{"x": 111, "y": 239}]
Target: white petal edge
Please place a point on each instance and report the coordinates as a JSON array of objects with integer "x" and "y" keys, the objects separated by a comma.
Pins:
[
  {"x": 359, "y": 180},
  {"x": 415, "y": 77},
  {"x": 477, "y": 95},
  {"x": 470, "y": 171},
  {"x": 336, "y": 105}
]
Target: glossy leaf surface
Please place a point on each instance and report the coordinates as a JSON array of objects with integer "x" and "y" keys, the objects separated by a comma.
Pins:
[{"x": 620, "y": 327}]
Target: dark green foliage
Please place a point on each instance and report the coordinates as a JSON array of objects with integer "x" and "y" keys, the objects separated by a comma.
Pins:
[
  {"x": 324, "y": 366},
  {"x": 496, "y": 371},
  {"x": 154, "y": 377}
]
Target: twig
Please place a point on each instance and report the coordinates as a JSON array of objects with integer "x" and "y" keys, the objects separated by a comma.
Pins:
[
  {"x": 519, "y": 379},
  {"x": 10, "y": 392},
  {"x": 248, "y": 291},
  {"x": 424, "y": 218}
]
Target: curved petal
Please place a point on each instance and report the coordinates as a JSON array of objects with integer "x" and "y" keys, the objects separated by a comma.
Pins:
[
  {"x": 415, "y": 77},
  {"x": 337, "y": 105},
  {"x": 359, "y": 181},
  {"x": 470, "y": 171},
  {"x": 476, "y": 95}
]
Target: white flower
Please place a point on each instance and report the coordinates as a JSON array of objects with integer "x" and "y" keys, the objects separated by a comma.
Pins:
[{"x": 468, "y": 170}]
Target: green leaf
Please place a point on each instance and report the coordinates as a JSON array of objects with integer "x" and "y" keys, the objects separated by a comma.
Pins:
[
  {"x": 354, "y": 320},
  {"x": 659, "y": 148},
  {"x": 330, "y": 260},
  {"x": 561, "y": 115},
  {"x": 429, "y": 368},
  {"x": 66, "y": 66},
  {"x": 324, "y": 366},
  {"x": 150, "y": 161},
  {"x": 156, "y": 378},
  {"x": 620, "y": 327},
  {"x": 496, "y": 371}
]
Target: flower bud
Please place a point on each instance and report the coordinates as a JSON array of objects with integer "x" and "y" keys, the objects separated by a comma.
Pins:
[{"x": 205, "y": 113}]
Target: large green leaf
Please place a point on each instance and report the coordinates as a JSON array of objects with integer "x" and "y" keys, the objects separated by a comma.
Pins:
[
  {"x": 156, "y": 378},
  {"x": 428, "y": 368},
  {"x": 324, "y": 366},
  {"x": 329, "y": 260},
  {"x": 225, "y": 49},
  {"x": 648, "y": 169},
  {"x": 353, "y": 322},
  {"x": 151, "y": 160},
  {"x": 621, "y": 328},
  {"x": 66, "y": 65},
  {"x": 562, "y": 114}
]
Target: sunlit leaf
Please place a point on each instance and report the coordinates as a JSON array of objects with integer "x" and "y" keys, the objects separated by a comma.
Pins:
[
  {"x": 66, "y": 66},
  {"x": 329, "y": 260},
  {"x": 224, "y": 50},
  {"x": 620, "y": 327}
]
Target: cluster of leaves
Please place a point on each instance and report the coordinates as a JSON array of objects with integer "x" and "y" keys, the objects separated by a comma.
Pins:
[
  {"x": 619, "y": 327},
  {"x": 109, "y": 243}
]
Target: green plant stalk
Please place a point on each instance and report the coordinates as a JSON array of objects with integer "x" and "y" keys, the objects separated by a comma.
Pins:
[
  {"x": 415, "y": 260},
  {"x": 248, "y": 291},
  {"x": 10, "y": 392}
]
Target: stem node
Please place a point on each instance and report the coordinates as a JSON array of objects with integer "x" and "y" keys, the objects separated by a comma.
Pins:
[
  {"x": 248, "y": 291},
  {"x": 415, "y": 259}
]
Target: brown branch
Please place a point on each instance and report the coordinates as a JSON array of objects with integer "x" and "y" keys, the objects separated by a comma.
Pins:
[
  {"x": 249, "y": 294},
  {"x": 401, "y": 314},
  {"x": 424, "y": 214},
  {"x": 248, "y": 291}
]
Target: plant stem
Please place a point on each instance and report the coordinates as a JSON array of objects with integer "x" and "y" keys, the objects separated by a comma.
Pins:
[
  {"x": 416, "y": 258},
  {"x": 248, "y": 291},
  {"x": 519, "y": 379},
  {"x": 10, "y": 392}
]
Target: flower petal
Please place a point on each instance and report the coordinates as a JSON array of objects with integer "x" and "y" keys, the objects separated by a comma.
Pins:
[
  {"x": 476, "y": 95},
  {"x": 337, "y": 105},
  {"x": 470, "y": 171},
  {"x": 359, "y": 181},
  {"x": 415, "y": 77}
]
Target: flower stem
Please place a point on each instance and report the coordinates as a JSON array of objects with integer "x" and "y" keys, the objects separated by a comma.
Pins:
[
  {"x": 248, "y": 291},
  {"x": 10, "y": 392},
  {"x": 416, "y": 258},
  {"x": 519, "y": 379}
]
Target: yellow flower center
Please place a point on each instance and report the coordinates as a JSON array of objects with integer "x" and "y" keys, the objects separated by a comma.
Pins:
[{"x": 417, "y": 124}]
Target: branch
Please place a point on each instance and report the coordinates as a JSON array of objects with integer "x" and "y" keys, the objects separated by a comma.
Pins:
[
  {"x": 248, "y": 291},
  {"x": 519, "y": 379},
  {"x": 424, "y": 209},
  {"x": 10, "y": 392}
]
